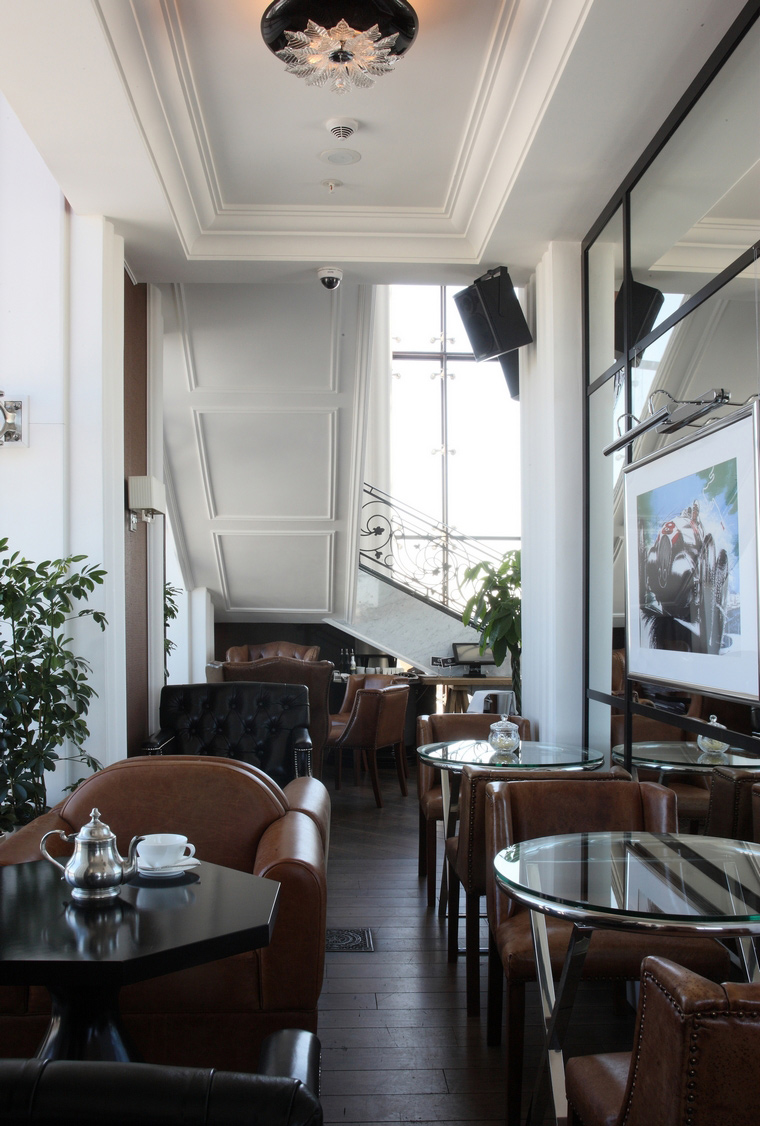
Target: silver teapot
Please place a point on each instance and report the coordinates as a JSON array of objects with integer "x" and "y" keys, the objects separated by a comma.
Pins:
[{"x": 95, "y": 872}]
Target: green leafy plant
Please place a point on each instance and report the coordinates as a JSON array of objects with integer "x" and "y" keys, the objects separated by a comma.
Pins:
[
  {"x": 495, "y": 609},
  {"x": 45, "y": 692},
  {"x": 171, "y": 610}
]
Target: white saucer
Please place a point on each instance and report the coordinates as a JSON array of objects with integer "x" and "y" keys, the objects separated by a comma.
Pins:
[{"x": 167, "y": 873}]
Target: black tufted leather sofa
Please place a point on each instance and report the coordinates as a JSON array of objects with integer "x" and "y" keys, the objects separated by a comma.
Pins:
[{"x": 265, "y": 725}]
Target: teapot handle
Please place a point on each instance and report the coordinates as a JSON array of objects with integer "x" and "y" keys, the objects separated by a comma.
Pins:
[{"x": 44, "y": 851}]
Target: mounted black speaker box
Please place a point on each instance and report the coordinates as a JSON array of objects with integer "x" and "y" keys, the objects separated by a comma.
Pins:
[
  {"x": 646, "y": 302},
  {"x": 510, "y": 365},
  {"x": 491, "y": 314}
]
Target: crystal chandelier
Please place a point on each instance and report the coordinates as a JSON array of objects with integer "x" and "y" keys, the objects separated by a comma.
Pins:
[{"x": 352, "y": 51}]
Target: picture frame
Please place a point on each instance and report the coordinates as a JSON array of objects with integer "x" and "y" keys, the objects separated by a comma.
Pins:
[{"x": 691, "y": 551}]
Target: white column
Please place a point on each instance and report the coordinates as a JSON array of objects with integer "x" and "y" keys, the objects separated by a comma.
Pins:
[
  {"x": 201, "y": 633},
  {"x": 551, "y": 400},
  {"x": 156, "y": 530}
]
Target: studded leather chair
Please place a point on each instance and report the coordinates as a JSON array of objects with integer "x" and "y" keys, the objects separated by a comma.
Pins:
[
  {"x": 519, "y": 811},
  {"x": 696, "y": 1057},
  {"x": 265, "y": 725}
]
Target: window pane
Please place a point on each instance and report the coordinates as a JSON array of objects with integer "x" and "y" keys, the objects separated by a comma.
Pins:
[
  {"x": 416, "y": 440},
  {"x": 415, "y": 318},
  {"x": 605, "y": 273},
  {"x": 484, "y": 452},
  {"x": 456, "y": 337},
  {"x": 606, "y": 582},
  {"x": 697, "y": 207}
]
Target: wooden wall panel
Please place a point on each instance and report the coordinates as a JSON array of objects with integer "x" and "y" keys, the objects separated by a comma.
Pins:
[{"x": 136, "y": 545}]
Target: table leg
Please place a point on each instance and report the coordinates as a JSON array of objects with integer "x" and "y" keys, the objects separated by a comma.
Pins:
[
  {"x": 85, "y": 1024},
  {"x": 446, "y": 803},
  {"x": 556, "y": 1011}
]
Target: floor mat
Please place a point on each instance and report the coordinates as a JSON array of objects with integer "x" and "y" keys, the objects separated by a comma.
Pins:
[{"x": 357, "y": 941}]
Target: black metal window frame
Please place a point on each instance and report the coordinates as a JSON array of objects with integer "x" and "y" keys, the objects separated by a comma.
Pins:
[{"x": 621, "y": 200}]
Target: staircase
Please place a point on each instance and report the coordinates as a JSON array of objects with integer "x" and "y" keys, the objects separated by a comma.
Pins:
[{"x": 411, "y": 589}]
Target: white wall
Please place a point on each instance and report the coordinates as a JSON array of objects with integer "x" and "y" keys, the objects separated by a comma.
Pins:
[
  {"x": 551, "y": 400},
  {"x": 61, "y": 344}
]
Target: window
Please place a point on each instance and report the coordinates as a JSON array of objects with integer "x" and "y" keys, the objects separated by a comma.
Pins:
[{"x": 454, "y": 430}]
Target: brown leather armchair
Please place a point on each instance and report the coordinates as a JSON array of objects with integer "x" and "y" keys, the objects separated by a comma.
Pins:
[
  {"x": 731, "y": 801},
  {"x": 283, "y": 1092},
  {"x": 338, "y": 720},
  {"x": 519, "y": 811},
  {"x": 273, "y": 649},
  {"x": 696, "y": 1057},
  {"x": 376, "y": 720},
  {"x": 214, "y": 1015},
  {"x": 442, "y": 727},
  {"x": 316, "y": 675},
  {"x": 466, "y": 859}
]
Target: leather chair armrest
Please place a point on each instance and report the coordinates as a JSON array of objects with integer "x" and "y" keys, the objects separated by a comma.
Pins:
[
  {"x": 294, "y": 1053},
  {"x": 500, "y": 906},
  {"x": 659, "y": 806},
  {"x": 310, "y": 796},
  {"x": 23, "y": 846},
  {"x": 292, "y": 966},
  {"x": 214, "y": 672},
  {"x": 302, "y": 746},
  {"x": 158, "y": 744}
]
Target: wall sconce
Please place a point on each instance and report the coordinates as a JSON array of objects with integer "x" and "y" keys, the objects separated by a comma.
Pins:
[
  {"x": 146, "y": 498},
  {"x": 13, "y": 412}
]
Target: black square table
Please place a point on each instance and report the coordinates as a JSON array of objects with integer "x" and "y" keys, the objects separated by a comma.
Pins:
[
  {"x": 662, "y": 883},
  {"x": 84, "y": 954}
]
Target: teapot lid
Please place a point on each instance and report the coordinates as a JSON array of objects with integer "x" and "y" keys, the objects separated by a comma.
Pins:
[{"x": 95, "y": 829}]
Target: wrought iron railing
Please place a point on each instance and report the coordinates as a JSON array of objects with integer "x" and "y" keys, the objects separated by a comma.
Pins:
[{"x": 420, "y": 555}]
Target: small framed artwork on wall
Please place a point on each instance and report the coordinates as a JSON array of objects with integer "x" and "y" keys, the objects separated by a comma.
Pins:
[{"x": 691, "y": 542}]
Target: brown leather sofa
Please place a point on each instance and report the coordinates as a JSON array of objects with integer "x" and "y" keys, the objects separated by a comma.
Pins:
[
  {"x": 441, "y": 727},
  {"x": 696, "y": 1057},
  {"x": 316, "y": 675},
  {"x": 214, "y": 1015},
  {"x": 283, "y": 1092},
  {"x": 518, "y": 811},
  {"x": 273, "y": 649}
]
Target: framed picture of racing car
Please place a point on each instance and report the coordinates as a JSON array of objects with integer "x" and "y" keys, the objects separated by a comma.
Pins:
[{"x": 691, "y": 543}]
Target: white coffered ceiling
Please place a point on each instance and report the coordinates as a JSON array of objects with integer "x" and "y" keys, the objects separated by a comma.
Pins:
[{"x": 508, "y": 124}]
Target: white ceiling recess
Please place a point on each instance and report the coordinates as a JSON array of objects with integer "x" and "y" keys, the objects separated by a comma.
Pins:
[{"x": 263, "y": 417}]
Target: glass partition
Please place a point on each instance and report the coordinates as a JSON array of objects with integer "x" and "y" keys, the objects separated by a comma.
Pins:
[
  {"x": 605, "y": 275},
  {"x": 697, "y": 207},
  {"x": 606, "y": 602}
]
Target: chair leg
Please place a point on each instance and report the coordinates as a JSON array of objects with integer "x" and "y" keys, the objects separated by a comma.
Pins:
[
  {"x": 431, "y": 838},
  {"x": 453, "y": 929},
  {"x": 472, "y": 952},
  {"x": 422, "y": 847},
  {"x": 495, "y": 994},
  {"x": 372, "y": 764},
  {"x": 514, "y": 1049},
  {"x": 400, "y": 757}
]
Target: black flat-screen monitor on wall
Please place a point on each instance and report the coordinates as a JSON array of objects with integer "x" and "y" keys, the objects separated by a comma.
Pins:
[
  {"x": 491, "y": 315},
  {"x": 468, "y": 653}
]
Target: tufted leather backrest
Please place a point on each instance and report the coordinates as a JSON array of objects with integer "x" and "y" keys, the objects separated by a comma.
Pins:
[
  {"x": 316, "y": 675},
  {"x": 273, "y": 649},
  {"x": 251, "y": 722},
  {"x": 222, "y": 806}
]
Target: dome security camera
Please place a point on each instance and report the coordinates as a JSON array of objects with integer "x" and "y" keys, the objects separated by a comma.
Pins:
[{"x": 330, "y": 276}]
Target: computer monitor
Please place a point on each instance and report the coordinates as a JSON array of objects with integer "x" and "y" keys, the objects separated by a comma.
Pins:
[{"x": 468, "y": 653}]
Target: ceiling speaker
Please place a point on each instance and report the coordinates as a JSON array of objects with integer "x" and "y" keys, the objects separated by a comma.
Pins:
[{"x": 491, "y": 314}]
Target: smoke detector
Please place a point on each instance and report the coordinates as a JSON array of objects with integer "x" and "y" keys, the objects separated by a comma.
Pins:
[{"x": 342, "y": 127}]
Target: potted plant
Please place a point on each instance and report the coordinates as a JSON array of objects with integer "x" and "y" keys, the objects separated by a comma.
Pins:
[
  {"x": 45, "y": 692},
  {"x": 495, "y": 609}
]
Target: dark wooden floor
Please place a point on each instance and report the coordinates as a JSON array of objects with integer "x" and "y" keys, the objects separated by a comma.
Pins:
[{"x": 397, "y": 1045}]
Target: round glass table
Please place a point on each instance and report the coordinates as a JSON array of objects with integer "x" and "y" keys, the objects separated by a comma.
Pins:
[
  {"x": 681, "y": 758},
  {"x": 628, "y": 880},
  {"x": 452, "y": 757}
]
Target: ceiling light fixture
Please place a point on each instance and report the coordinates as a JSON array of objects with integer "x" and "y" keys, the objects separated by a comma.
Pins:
[{"x": 354, "y": 42}]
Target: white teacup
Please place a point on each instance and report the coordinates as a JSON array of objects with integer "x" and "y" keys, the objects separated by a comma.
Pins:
[{"x": 164, "y": 850}]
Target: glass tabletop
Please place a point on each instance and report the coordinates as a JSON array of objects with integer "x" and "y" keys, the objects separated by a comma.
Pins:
[
  {"x": 642, "y": 880},
  {"x": 682, "y": 756},
  {"x": 529, "y": 756}
]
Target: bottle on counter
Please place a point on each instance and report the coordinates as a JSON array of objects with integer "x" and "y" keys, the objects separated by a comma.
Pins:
[{"x": 352, "y": 662}]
